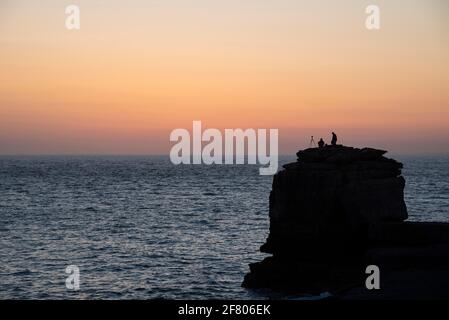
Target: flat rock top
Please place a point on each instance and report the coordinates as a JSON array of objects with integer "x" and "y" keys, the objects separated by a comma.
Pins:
[{"x": 340, "y": 154}]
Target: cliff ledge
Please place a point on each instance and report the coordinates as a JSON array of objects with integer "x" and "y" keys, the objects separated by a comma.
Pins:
[{"x": 335, "y": 211}]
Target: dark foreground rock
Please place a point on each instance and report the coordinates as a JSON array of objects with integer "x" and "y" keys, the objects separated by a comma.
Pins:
[{"x": 334, "y": 212}]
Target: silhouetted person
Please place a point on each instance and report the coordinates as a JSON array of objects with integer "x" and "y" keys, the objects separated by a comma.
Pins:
[
  {"x": 334, "y": 139},
  {"x": 321, "y": 143}
]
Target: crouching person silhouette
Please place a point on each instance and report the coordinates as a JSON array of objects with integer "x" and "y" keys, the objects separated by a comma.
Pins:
[{"x": 321, "y": 143}]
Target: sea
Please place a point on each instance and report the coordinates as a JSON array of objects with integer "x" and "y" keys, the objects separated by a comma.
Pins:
[{"x": 139, "y": 227}]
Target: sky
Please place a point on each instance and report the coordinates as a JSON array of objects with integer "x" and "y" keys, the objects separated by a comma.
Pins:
[{"x": 136, "y": 70}]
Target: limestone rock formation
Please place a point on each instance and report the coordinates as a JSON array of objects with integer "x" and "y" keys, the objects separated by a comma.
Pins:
[{"x": 331, "y": 213}]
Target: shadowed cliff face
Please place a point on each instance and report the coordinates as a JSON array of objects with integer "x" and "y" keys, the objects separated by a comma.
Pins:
[
  {"x": 331, "y": 214},
  {"x": 333, "y": 194}
]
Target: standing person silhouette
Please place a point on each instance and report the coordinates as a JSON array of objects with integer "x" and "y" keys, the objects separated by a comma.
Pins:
[{"x": 334, "y": 139}]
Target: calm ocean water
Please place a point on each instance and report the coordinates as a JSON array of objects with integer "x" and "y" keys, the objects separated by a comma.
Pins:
[{"x": 142, "y": 228}]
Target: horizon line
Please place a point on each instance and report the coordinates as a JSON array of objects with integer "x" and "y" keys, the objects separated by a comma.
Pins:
[{"x": 168, "y": 155}]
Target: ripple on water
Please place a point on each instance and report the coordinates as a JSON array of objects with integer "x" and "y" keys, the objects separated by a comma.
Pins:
[{"x": 141, "y": 228}]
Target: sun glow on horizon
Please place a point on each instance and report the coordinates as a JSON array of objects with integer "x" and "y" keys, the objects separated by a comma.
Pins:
[{"x": 137, "y": 70}]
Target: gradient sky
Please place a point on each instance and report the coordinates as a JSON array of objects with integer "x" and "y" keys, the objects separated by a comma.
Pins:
[{"x": 138, "y": 69}]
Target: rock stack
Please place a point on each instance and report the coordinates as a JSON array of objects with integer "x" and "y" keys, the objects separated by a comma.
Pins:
[{"x": 332, "y": 212}]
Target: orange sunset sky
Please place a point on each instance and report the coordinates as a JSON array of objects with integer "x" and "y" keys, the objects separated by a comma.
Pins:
[{"x": 138, "y": 69}]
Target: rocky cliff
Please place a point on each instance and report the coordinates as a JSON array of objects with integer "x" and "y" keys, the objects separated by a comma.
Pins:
[{"x": 333, "y": 212}]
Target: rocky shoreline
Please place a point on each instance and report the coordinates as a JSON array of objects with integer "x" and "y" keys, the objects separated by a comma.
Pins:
[{"x": 335, "y": 211}]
